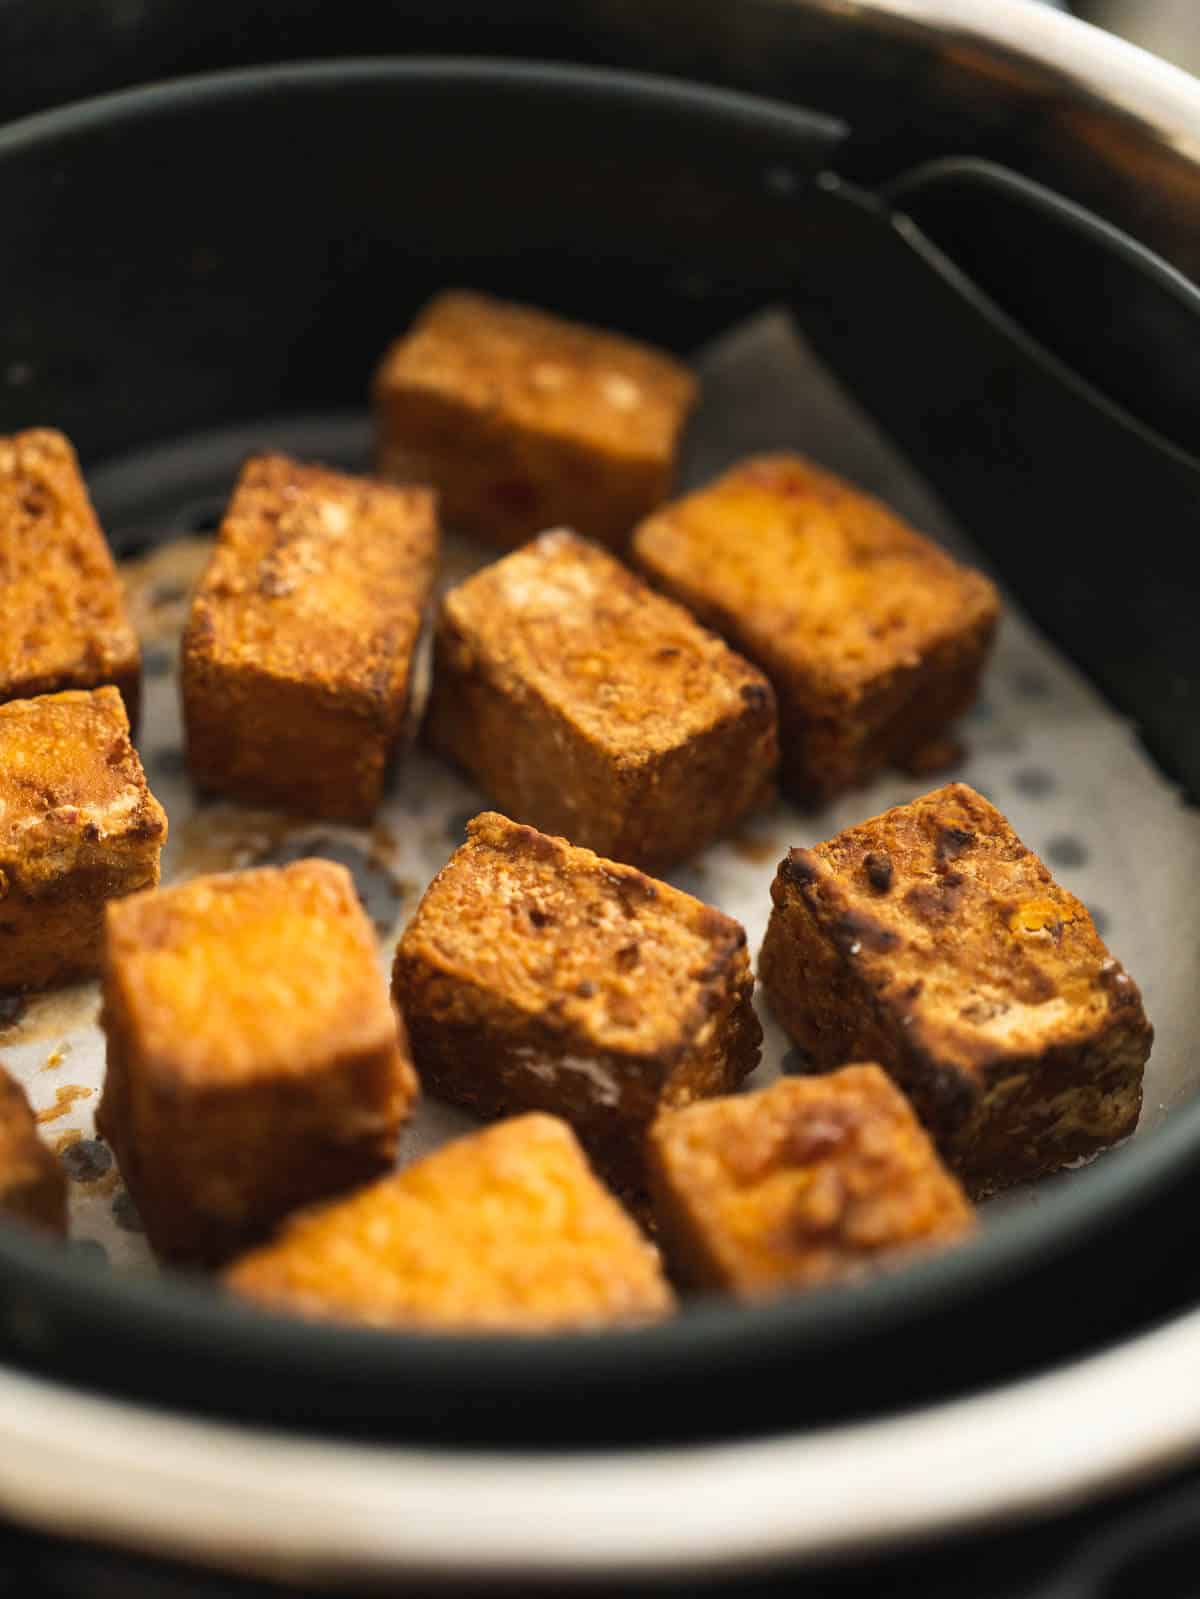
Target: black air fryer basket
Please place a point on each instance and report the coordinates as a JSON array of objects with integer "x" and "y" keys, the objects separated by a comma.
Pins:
[{"x": 993, "y": 259}]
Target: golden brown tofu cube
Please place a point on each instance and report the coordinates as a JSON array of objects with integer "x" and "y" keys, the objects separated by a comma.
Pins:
[
  {"x": 255, "y": 1062},
  {"x": 587, "y": 705},
  {"x": 931, "y": 940},
  {"x": 873, "y": 637},
  {"x": 523, "y": 421},
  {"x": 32, "y": 1185},
  {"x": 78, "y": 828},
  {"x": 537, "y": 976},
  {"x": 504, "y": 1231},
  {"x": 806, "y": 1182},
  {"x": 297, "y": 654},
  {"x": 63, "y": 621}
]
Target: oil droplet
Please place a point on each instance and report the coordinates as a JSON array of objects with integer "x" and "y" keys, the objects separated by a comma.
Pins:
[
  {"x": 56, "y": 1057},
  {"x": 67, "y": 1096}
]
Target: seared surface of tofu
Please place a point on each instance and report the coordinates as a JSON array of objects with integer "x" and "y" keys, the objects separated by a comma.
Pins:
[
  {"x": 78, "y": 828},
  {"x": 255, "y": 1062},
  {"x": 806, "y": 1182},
  {"x": 32, "y": 1185},
  {"x": 297, "y": 655},
  {"x": 63, "y": 619},
  {"x": 506, "y": 1230},
  {"x": 524, "y": 421},
  {"x": 931, "y": 940},
  {"x": 587, "y": 705},
  {"x": 537, "y": 976},
  {"x": 873, "y": 638}
]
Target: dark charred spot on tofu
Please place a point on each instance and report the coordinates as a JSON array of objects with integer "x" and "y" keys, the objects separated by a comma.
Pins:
[
  {"x": 799, "y": 866},
  {"x": 627, "y": 957},
  {"x": 937, "y": 899},
  {"x": 538, "y": 917},
  {"x": 148, "y": 827},
  {"x": 952, "y": 841},
  {"x": 668, "y": 652},
  {"x": 1121, "y": 989},
  {"x": 1037, "y": 986},
  {"x": 632, "y": 889},
  {"x": 952, "y": 1094},
  {"x": 878, "y": 868},
  {"x": 539, "y": 845},
  {"x": 722, "y": 929},
  {"x": 586, "y": 989},
  {"x": 715, "y": 970},
  {"x": 810, "y": 1141},
  {"x": 755, "y": 695},
  {"x": 856, "y": 931}
]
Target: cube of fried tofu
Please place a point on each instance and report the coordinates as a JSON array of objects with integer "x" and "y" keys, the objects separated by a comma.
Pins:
[
  {"x": 873, "y": 637},
  {"x": 297, "y": 654},
  {"x": 78, "y": 828},
  {"x": 538, "y": 976},
  {"x": 806, "y": 1182},
  {"x": 255, "y": 1062},
  {"x": 32, "y": 1185},
  {"x": 931, "y": 940},
  {"x": 506, "y": 1230},
  {"x": 587, "y": 705},
  {"x": 523, "y": 421},
  {"x": 63, "y": 619}
]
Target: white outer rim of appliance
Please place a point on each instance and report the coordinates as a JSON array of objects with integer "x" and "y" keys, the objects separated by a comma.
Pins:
[
  {"x": 293, "y": 1507},
  {"x": 1123, "y": 75},
  {"x": 231, "y": 1496}
]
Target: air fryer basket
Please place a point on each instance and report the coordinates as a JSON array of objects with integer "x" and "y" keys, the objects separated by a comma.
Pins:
[{"x": 215, "y": 251}]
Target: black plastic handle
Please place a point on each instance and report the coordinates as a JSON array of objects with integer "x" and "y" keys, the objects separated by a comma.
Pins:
[
  {"x": 1112, "y": 310},
  {"x": 1085, "y": 510}
]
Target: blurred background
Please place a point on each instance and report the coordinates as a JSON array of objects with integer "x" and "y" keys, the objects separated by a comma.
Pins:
[{"x": 1170, "y": 28}]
